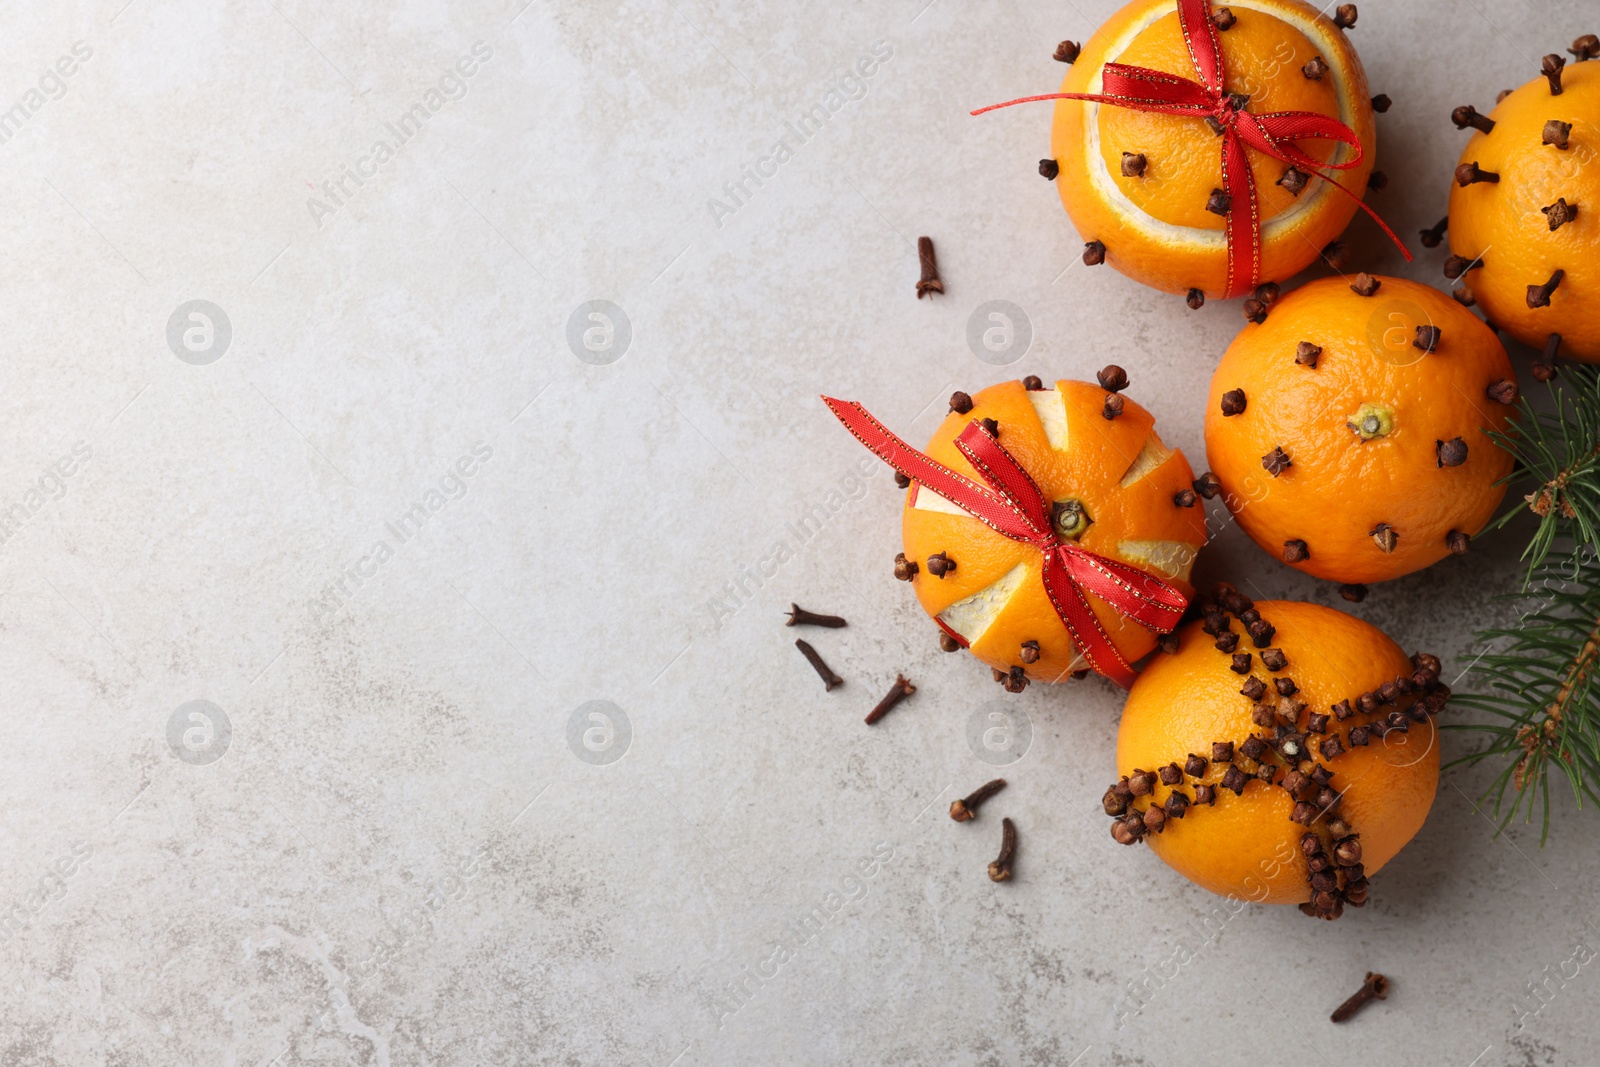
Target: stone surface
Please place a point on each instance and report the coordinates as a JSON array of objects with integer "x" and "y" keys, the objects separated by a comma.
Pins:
[{"x": 414, "y": 512}]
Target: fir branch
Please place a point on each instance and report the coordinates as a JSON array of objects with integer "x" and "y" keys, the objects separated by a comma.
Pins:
[
  {"x": 1557, "y": 457},
  {"x": 1543, "y": 692}
]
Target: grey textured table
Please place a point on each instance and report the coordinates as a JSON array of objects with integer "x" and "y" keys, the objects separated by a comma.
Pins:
[{"x": 309, "y": 590}]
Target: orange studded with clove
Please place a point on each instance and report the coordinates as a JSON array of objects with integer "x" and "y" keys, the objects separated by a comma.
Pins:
[
  {"x": 1371, "y": 458},
  {"x": 1114, "y": 488},
  {"x": 1298, "y": 794},
  {"x": 1146, "y": 188},
  {"x": 1523, "y": 243}
]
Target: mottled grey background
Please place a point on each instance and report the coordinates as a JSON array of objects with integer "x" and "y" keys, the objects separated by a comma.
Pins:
[{"x": 400, "y": 531}]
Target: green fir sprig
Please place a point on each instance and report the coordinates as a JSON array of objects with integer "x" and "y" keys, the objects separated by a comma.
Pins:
[
  {"x": 1537, "y": 679},
  {"x": 1557, "y": 455}
]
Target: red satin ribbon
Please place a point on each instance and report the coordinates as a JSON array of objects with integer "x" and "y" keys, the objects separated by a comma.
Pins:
[
  {"x": 1142, "y": 89},
  {"x": 1010, "y": 503}
]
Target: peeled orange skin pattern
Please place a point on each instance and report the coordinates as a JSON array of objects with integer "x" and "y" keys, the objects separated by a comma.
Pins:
[
  {"x": 1155, "y": 227},
  {"x": 1246, "y": 845},
  {"x": 1504, "y": 222},
  {"x": 1343, "y": 483},
  {"x": 1126, "y": 481}
]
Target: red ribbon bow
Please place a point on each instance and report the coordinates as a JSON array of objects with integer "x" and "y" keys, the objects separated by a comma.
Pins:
[
  {"x": 1142, "y": 89},
  {"x": 1010, "y": 503}
]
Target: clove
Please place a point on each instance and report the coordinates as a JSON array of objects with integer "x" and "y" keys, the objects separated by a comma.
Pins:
[
  {"x": 897, "y": 692},
  {"x": 1133, "y": 164},
  {"x": 1539, "y": 295},
  {"x": 1431, "y": 237},
  {"x": 1224, "y": 18},
  {"x": 960, "y": 402},
  {"x": 1463, "y": 295},
  {"x": 965, "y": 809},
  {"x": 1336, "y": 255},
  {"x": 1586, "y": 47},
  {"x": 1544, "y": 368},
  {"x": 1427, "y": 339},
  {"x": 1295, "y": 551},
  {"x": 1376, "y": 987},
  {"x": 948, "y": 643},
  {"x": 1365, "y": 284},
  {"x": 1381, "y": 103},
  {"x": 901, "y": 480},
  {"x": 1377, "y": 181},
  {"x": 1472, "y": 174},
  {"x": 1306, "y": 354},
  {"x": 799, "y": 616},
  {"x": 904, "y": 569},
  {"x": 1208, "y": 485},
  {"x": 1315, "y": 69},
  {"x": 1113, "y": 406},
  {"x": 1550, "y": 67},
  {"x": 1255, "y": 311},
  {"x": 1233, "y": 403},
  {"x": 1273, "y": 659},
  {"x": 1112, "y": 378},
  {"x": 1048, "y": 169},
  {"x": 1345, "y": 16},
  {"x": 1456, "y": 266},
  {"x": 1276, "y": 462},
  {"x": 1219, "y": 202},
  {"x": 1556, "y": 133},
  {"x": 1185, "y": 498},
  {"x": 1467, "y": 115},
  {"x": 1294, "y": 180},
  {"x": 825, "y": 672},
  {"x": 1033, "y": 383},
  {"x": 939, "y": 564},
  {"x": 1451, "y": 453},
  {"x": 1267, "y": 293},
  {"x": 1503, "y": 391},
  {"x": 1560, "y": 213},
  {"x": 1196, "y": 299},
  {"x": 1000, "y": 869},
  {"x": 930, "y": 282},
  {"x": 1384, "y": 537},
  {"x": 991, "y": 427},
  {"x": 1457, "y": 542},
  {"x": 1067, "y": 52}
]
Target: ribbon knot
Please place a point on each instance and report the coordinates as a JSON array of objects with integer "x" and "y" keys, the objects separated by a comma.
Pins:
[
  {"x": 1009, "y": 502},
  {"x": 1271, "y": 133}
]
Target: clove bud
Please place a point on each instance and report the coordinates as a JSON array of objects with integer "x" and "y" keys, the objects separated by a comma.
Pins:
[
  {"x": 799, "y": 616},
  {"x": 1276, "y": 462},
  {"x": 1560, "y": 213},
  {"x": 1556, "y": 133},
  {"x": 1539, "y": 295},
  {"x": 1384, "y": 537},
  {"x": 1381, "y": 103},
  {"x": 1427, "y": 339},
  {"x": 1345, "y": 16},
  {"x": 1000, "y": 869},
  {"x": 1471, "y": 174},
  {"x": 1306, "y": 354},
  {"x": 1376, "y": 987},
  {"x": 1067, "y": 52},
  {"x": 1503, "y": 391},
  {"x": 1456, "y": 266},
  {"x": 1451, "y": 453},
  {"x": 1048, "y": 169},
  {"x": 965, "y": 809},
  {"x": 1365, "y": 284},
  {"x": 1133, "y": 164},
  {"x": 1550, "y": 67},
  {"x": 1457, "y": 542},
  {"x": 1233, "y": 402},
  {"x": 1219, "y": 202},
  {"x": 1208, "y": 485},
  {"x": 897, "y": 692},
  {"x": 939, "y": 564},
  {"x": 1431, "y": 237},
  {"x": 930, "y": 281},
  {"x": 1112, "y": 378},
  {"x": 1294, "y": 180},
  {"x": 1113, "y": 406},
  {"x": 1295, "y": 551},
  {"x": 1467, "y": 115},
  {"x": 1315, "y": 69}
]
